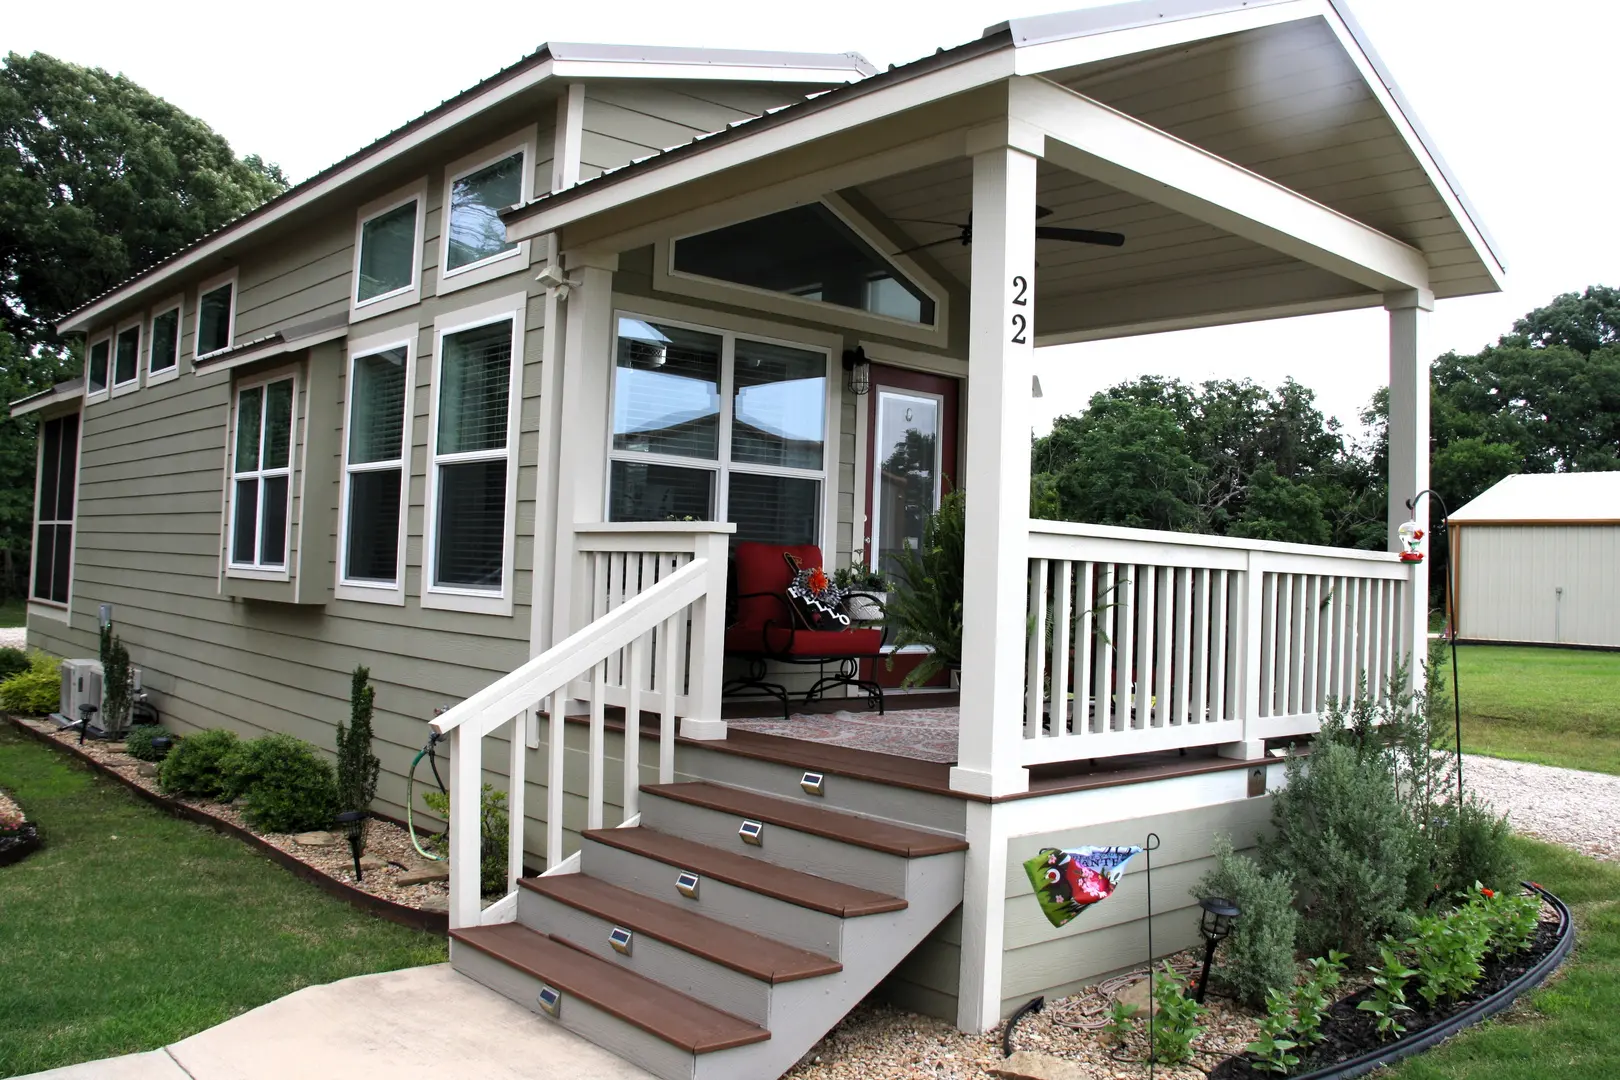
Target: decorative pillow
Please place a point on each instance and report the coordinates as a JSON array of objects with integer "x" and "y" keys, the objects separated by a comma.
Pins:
[{"x": 817, "y": 603}]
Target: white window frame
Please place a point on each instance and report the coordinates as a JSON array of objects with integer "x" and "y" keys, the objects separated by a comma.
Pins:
[
  {"x": 93, "y": 396},
  {"x": 729, "y": 328},
  {"x": 461, "y": 598},
  {"x": 507, "y": 262},
  {"x": 409, "y": 294},
  {"x": 667, "y": 279},
  {"x": 116, "y": 388},
  {"x": 257, "y": 571},
  {"x": 204, "y": 289},
  {"x": 176, "y": 304},
  {"x": 374, "y": 592},
  {"x": 50, "y": 609}
]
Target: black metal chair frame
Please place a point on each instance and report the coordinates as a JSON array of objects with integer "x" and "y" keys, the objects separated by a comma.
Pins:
[{"x": 754, "y": 684}]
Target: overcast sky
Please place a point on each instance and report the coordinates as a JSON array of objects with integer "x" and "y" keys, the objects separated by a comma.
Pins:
[{"x": 1517, "y": 96}]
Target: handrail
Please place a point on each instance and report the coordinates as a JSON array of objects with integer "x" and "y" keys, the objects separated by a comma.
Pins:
[{"x": 1157, "y": 537}]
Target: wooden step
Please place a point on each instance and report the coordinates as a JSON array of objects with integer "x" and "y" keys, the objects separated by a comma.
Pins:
[
  {"x": 852, "y": 829},
  {"x": 767, "y": 879},
  {"x": 675, "y": 1018},
  {"x": 750, "y": 954}
]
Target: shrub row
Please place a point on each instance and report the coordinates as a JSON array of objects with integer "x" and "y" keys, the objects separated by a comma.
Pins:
[
  {"x": 283, "y": 783},
  {"x": 32, "y": 683}
]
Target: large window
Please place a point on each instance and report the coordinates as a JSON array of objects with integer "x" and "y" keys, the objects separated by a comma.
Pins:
[
  {"x": 472, "y": 473},
  {"x": 718, "y": 426},
  {"x": 216, "y": 315},
  {"x": 261, "y": 474},
  {"x": 477, "y": 188},
  {"x": 163, "y": 344},
  {"x": 97, "y": 366},
  {"x": 127, "y": 358},
  {"x": 388, "y": 245},
  {"x": 377, "y": 443},
  {"x": 53, "y": 509}
]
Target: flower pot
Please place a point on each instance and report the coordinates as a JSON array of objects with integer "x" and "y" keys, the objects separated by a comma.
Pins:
[{"x": 866, "y": 607}]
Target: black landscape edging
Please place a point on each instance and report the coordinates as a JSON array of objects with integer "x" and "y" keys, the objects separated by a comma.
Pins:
[
  {"x": 433, "y": 922},
  {"x": 27, "y": 843}
]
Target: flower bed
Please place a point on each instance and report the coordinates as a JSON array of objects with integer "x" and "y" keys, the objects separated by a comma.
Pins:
[{"x": 18, "y": 835}]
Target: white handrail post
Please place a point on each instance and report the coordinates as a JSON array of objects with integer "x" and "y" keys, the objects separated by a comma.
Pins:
[
  {"x": 466, "y": 807},
  {"x": 514, "y": 798},
  {"x": 556, "y": 760},
  {"x": 1409, "y": 453},
  {"x": 1247, "y": 662},
  {"x": 708, "y": 641}
]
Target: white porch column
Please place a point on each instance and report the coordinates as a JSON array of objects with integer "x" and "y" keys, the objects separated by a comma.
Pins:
[
  {"x": 1409, "y": 454},
  {"x": 995, "y": 578}
]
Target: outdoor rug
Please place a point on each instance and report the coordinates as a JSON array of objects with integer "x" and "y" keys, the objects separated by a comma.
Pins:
[{"x": 920, "y": 734}]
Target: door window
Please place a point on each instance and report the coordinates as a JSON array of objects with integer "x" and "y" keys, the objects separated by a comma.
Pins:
[{"x": 905, "y": 471}]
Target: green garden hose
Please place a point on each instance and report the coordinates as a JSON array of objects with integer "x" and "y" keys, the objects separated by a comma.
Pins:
[{"x": 410, "y": 793}]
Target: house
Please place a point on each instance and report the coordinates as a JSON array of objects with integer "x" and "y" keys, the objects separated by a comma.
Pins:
[
  {"x": 447, "y": 409},
  {"x": 1536, "y": 560}
]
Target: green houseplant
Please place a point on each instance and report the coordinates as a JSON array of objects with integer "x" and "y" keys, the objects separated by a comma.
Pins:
[{"x": 925, "y": 605}]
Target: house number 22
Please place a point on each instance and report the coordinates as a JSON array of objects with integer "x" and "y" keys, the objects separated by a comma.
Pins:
[{"x": 1020, "y": 323}]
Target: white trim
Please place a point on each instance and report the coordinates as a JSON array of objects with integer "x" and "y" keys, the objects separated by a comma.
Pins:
[
  {"x": 116, "y": 388},
  {"x": 453, "y": 598},
  {"x": 176, "y": 304},
  {"x": 407, "y": 295},
  {"x": 57, "y": 395},
  {"x": 567, "y": 137},
  {"x": 257, "y": 571},
  {"x": 506, "y": 262},
  {"x": 50, "y": 608},
  {"x": 229, "y": 277},
  {"x": 274, "y": 347},
  {"x": 58, "y": 613},
  {"x": 91, "y": 396},
  {"x": 705, "y": 71},
  {"x": 667, "y": 279},
  {"x": 371, "y": 591},
  {"x": 1039, "y": 57},
  {"x": 881, "y": 352}
]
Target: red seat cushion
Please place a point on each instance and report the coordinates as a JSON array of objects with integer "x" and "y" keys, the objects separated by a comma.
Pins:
[
  {"x": 779, "y": 640},
  {"x": 762, "y": 569}
]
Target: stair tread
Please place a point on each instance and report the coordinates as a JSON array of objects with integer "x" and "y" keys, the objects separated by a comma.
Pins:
[
  {"x": 751, "y": 954},
  {"x": 768, "y": 879},
  {"x": 654, "y": 1008},
  {"x": 846, "y": 828}
]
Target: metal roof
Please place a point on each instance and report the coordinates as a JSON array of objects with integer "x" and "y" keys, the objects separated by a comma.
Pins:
[{"x": 1546, "y": 497}]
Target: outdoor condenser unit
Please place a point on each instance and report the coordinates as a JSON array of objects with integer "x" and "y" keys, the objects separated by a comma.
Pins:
[{"x": 81, "y": 685}]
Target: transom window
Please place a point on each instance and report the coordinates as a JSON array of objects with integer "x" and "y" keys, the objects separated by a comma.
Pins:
[
  {"x": 216, "y": 316},
  {"x": 374, "y": 466},
  {"x": 476, "y": 200},
  {"x": 807, "y": 252},
  {"x": 97, "y": 366},
  {"x": 261, "y": 470},
  {"x": 717, "y": 426},
  {"x": 388, "y": 249},
  {"x": 163, "y": 343},
  {"x": 127, "y": 357},
  {"x": 53, "y": 516}
]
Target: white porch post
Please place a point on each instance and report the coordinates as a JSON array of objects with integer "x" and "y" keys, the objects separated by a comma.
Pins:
[{"x": 1409, "y": 455}]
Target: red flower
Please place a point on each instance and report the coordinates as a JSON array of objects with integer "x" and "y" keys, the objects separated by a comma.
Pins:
[
  {"x": 818, "y": 580},
  {"x": 1489, "y": 894}
]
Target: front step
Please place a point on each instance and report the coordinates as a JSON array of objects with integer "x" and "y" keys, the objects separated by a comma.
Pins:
[{"x": 759, "y": 950}]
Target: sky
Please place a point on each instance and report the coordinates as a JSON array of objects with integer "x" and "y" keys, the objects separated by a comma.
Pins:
[{"x": 1515, "y": 95}]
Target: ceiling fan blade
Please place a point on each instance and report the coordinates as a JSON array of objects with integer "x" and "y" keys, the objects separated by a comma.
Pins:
[
  {"x": 928, "y": 221},
  {"x": 1042, "y": 211},
  {"x": 1079, "y": 236},
  {"x": 931, "y": 244}
]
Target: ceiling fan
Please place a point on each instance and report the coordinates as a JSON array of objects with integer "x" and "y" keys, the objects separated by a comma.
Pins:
[{"x": 964, "y": 234}]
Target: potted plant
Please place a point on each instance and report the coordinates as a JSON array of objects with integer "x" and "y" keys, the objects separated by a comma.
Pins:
[
  {"x": 925, "y": 607},
  {"x": 866, "y": 589}
]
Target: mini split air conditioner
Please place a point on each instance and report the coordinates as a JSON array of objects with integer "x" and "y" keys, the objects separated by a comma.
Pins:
[{"x": 81, "y": 685}]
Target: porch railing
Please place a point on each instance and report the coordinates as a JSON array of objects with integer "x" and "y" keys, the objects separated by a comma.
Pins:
[
  {"x": 654, "y": 599},
  {"x": 1143, "y": 640}
]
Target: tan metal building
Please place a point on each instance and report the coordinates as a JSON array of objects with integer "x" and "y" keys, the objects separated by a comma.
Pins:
[{"x": 1538, "y": 561}]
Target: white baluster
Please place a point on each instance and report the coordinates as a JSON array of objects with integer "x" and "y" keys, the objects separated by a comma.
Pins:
[
  {"x": 466, "y": 794},
  {"x": 1060, "y": 649},
  {"x": 1035, "y": 665},
  {"x": 514, "y": 798},
  {"x": 556, "y": 759},
  {"x": 632, "y": 728}
]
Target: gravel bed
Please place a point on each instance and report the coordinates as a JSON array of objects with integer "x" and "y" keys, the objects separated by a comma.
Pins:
[
  {"x": 1578, "y": 809},
  {"x": 13, "y": 637},
  {"x": 9, "y": 805},
  {"x": 384, "y": 839}
]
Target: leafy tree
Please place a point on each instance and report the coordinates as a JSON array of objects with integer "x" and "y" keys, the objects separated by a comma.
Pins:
[
  {"x": 357, "y": 766},
  {"x": 1125, "y": 463},
  {"x": 1282, "y": 509},
  {"x": 1585, "y": 322}
]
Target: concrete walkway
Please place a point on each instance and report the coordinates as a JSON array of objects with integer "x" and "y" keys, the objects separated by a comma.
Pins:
[{"x": 424, "y": 1023}]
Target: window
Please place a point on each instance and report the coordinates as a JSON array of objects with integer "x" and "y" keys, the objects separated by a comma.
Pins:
[
  {"x": 127, "y": 358},
  {"x": 472, "y": 476},
  {"x": 53, "y": 509},
  {"x": 718, "y": 426},
  {"x": 97, "y": 365},
  {"x": 163, "y": 344},
  {"x": 477, "y": 188},
  {"x": 388, "y": 245},
  {"x": 261, "y": 475},
  {"x": 216, "y": 315},
  {"x": 377, "y": 443}
]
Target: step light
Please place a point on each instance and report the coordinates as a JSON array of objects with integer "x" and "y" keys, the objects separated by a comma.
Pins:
[
  {"x": 750, "y": 832},
  {"x": 620, "y": 938},
  {"x": 686, "y": 883},
  {"x": 550, "y": 1000},
  {"x": 813, "y": 783}
]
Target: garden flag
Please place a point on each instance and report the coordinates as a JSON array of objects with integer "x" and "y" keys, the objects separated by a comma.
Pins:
[{"x": 1068, "y": 882}]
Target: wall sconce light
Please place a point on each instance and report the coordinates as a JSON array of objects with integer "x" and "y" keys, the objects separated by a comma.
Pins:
[
  {"x": 1215, "y": 924},
  {"x": 858, "y": 372}
]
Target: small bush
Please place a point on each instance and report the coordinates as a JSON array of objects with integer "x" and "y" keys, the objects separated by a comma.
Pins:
[
  {"x": 285, "y": 784},
  {"x": 196, "y": 767},
  {"x": 1259, "y": 953},
  {"x": 1176, "y": 1025},
  {"x": 1473, "y": 846},
  {"x": 12, "y": 661},
  {"x": 357, "y": 766},
  {"x": 492, "y": 830},
  {"x": 36, "y": 691},
  {"x": 138, "y": 743}
]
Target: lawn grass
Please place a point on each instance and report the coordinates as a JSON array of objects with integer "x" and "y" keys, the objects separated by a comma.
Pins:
[
  {"x": 1549, "y": 706},
  {"x": 1566, "y": 1029},
  {"x": 131, "y": 929},
  {"x": 13, "y": 613}
]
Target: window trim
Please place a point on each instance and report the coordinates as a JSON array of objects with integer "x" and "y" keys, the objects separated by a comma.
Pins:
[
  {"x": 91, "y": 397},
  {"x": 176, "y": 303},
  {"x": 50, "y": 609},
  {"x": 460, "y": 598},
  {"x": 729, "y": 328},
  {"x": 230, "y": 276},
  {"x": 245, "y": 571},
  {"x": 506, "y": 262},
  {"x": 373, "y": 592},
  {"x": 114, "y": 387},
  {"x": 402, "y": 297},
  {"x": 667, "y": 279}
]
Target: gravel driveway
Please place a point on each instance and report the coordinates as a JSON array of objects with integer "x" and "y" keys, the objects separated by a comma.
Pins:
[
  {"x": 15, "y": 637},
  {"x": 1563, "y": 806}
]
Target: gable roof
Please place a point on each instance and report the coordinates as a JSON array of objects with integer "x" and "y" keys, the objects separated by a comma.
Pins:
[{"x": 1580, "y": 497}]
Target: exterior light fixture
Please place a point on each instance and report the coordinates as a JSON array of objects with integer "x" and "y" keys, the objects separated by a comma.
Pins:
[
  {"x": 857, "y": 372},
  {"x": 1215, "y": 924},
  {"x": 353, "y": 824}
]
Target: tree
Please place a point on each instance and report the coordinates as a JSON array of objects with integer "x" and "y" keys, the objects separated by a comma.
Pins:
[
  {"x": 1585, "y": 323},
  {"x": 1124, "y": 463},
  {"x": 357, "y": 766},
  {"x": 100, "y": 179}
]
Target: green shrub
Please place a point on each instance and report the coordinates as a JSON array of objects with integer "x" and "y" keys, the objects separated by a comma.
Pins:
[
  {"x": 357, "y": 766},
  {"x": 492, "y": 829},
  {"x": 925, "y": 605},
  {"x": 12, "y": 661},
  {"x": 138, "y": 743},
  {"x": 1259, "y": 953},
  {"x": 1388, "y": 998},
  {"x": 1176, "y": 1024},
  {"x": 197, "y": 766},
  {"x": 36, "y": 691},
  {"x": 1273, "y": 1051},
  {"x": 285, "y": 784},
  {"x": 1447, "y": 951},
  {"x": 1472, "y": 847}
]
